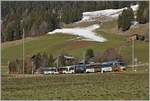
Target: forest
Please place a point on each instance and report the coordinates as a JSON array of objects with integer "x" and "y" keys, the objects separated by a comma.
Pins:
[{"x": 39, "y": 17}]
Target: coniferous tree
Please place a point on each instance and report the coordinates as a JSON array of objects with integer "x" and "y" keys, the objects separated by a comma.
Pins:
[
  {"x": 143, "y": 12},
  {"x": 89, "y": 53},
  {"x": 125, "y": 19},
  {"x": 130, "y": 14}
]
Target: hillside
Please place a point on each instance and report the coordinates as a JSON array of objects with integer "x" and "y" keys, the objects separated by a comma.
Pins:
[
  {"x": 46, "y": 43},
  {"x": 38, "y": 18},
  {"x": 98, "y": 34},
  {"x": 64, "y": 43}
]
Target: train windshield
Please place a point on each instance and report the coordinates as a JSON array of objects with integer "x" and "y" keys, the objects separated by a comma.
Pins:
[
  {"x": 72, "y": 68},
  {"x": 106, "y": 65},
  {"x": 122, "y": 64}
]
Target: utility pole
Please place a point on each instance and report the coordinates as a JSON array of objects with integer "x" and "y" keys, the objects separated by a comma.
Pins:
[
  {"x": 22, "y": 47},
  {"x": 57, "y": 61},
  {"x": 83, "y": 58},
  {"x": 133, "y": 54},
  {"x": 23, "y": 51}
]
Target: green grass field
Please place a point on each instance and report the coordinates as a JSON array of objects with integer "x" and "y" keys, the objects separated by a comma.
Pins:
[
  {"x": 93, "y": 86},
  {"x": 62, "y": 43},
  {"x": 128, "y": 85}
]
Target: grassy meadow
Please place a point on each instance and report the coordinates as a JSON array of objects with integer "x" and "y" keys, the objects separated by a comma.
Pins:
[
  {"x": 93, "y": 86},
  {"x": 56, "y": 44}
]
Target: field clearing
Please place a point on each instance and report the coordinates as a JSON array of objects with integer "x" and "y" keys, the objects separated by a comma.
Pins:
[
  {"x": 61, "y": 43},
  {"x": 118, "y": 86}
]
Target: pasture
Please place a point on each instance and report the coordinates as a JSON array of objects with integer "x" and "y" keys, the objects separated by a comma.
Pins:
[
  {"x": 92, "y": 86},
  {"x": 62, "y": 43}
]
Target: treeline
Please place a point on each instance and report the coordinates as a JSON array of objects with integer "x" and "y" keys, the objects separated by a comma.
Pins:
[
  {"x": 127, "y": 17},
  {"x": 39, "y": 17},
  {"x": 44, "y": 60}
]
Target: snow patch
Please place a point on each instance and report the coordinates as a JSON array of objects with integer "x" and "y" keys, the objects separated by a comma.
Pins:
[
  {"x": 84, "y": 32},
  {"x": 110, "y": 13}
]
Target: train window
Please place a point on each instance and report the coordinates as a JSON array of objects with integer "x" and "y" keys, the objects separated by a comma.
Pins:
[{"x": 71, "y": 68}]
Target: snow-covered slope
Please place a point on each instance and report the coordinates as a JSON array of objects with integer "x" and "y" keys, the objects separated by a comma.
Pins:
[
  {"x": 88, "y": 32},
  {"x": 84, "y": 32},
  {"x": 110, "y": 13}
]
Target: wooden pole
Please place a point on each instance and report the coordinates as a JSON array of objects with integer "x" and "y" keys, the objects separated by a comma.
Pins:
[
  {"x": 57, "y": 61},
  {"x": 23, "y": 51},
  {"x": 133, "y": 54}
]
